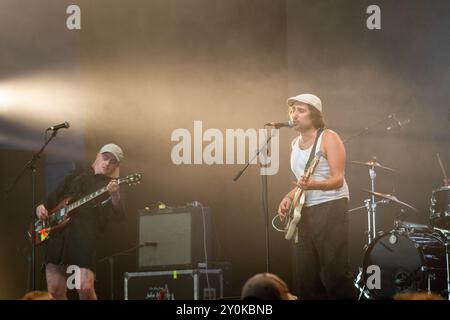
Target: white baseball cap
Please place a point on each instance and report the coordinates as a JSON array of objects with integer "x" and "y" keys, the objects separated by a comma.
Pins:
[
  {"x": 114, "y": 149},
  {"x": 307, "y": 98}
]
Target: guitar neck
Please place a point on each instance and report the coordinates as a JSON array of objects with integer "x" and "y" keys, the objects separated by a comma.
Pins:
[
  {"x": 85, "y": 199},
  {"x": 308, "y": 175},
  {"x": 89, "y": 197}
]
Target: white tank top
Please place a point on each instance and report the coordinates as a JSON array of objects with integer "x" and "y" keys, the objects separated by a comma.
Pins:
[{"x": 299, "y": 158}]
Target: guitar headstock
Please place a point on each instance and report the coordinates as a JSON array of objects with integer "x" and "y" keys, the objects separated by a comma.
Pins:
[{"x": 131, "y": 179}]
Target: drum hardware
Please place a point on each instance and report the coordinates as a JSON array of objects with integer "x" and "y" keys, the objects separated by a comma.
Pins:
[
  {"x": 431, "y": 277},
  {"x": 446, "y": 234},
  {"x": 444, "y": 173},
  {"x": 439, "y": 204},
  {"x": 370, "y": 205},
  {"x": 393, "y": 239},
  {"x": 430, "y": 269},
  {"x": 411, "y": 256},
  {"x": 366, "y": 204},
  {"x": 403, "y": 226},
  {"x": 440, "y": 207},
  {"x": 390, "y": 198},
  {"x": 373, "y": 163}
]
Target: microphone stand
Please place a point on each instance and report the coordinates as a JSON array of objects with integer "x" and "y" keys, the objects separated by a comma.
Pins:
[
  {"x": 31, "y": 165},
  {"x": 367, "y": 129},
  {"x": 111, "y": 262},
  {"x": 264, "y": 196}
]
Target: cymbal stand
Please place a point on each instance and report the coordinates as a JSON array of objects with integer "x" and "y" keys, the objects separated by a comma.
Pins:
[
  {"x": 371, "y": 206},
  {"x": 447, "y": 258}
]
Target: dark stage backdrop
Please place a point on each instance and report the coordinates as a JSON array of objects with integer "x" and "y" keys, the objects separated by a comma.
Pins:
[{"x": 15, "y": 210}]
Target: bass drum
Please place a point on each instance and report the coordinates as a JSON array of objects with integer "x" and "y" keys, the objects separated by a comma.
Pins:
[{"x": 408, "y": 262}]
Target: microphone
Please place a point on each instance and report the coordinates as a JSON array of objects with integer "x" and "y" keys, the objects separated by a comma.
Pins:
[
  {"x": 59, "y": 126},
  {"x": 277, "y": 125}
]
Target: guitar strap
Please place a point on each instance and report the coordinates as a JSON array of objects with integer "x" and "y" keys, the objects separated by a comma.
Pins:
[
  {"x": 313, "y": 150},
  {"x": 311, "y": 156}
]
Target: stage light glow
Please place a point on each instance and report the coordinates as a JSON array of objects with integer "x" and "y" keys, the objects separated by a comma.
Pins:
[
  {"x": 4, "y": 100},
  {"x": 42, "y": 99}
]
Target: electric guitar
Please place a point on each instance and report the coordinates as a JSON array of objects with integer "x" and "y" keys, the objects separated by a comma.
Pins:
[
  {"x": 294, "y": 212},
  {"x": 60, "y": 216}
]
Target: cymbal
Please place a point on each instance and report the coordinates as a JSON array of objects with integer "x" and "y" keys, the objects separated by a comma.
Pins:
[
  {"x": 391, "y": 198},
  {"x": 373, "y": 163}
]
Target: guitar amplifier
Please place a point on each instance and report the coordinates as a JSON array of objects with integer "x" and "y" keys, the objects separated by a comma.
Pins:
[{"x": 177, "y": 237}]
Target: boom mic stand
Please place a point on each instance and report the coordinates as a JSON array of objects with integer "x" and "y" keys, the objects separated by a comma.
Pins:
[{"x": 264, "y": 195}]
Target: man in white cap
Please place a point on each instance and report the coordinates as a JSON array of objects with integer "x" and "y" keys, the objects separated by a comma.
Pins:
[
  {"x": 75, "y": 244},
  {"x": 320, "y": 246}
]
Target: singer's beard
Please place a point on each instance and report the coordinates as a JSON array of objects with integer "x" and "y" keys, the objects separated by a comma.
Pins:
[{"x": 301, "y": 128}]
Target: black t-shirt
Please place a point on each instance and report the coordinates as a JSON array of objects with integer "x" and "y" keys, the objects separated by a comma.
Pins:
[{"x": 75, "y": 244}]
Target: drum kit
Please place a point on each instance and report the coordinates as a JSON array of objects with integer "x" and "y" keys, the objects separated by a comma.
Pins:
[{"x": 411, "y": 257}]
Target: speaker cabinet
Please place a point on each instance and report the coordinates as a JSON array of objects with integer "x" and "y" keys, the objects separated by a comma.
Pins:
[{"x": 174, "y": 238}]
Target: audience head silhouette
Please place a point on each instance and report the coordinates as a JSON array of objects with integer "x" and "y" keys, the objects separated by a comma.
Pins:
[{"x": 266, "y": 286}]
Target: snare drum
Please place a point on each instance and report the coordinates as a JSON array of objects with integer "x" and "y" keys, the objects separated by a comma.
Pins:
[{"x": 440, "y": 208}]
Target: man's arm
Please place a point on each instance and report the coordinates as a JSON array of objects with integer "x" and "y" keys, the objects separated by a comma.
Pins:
[
  {"x": 116, "y": 202},
  {"x": 53, "y": 198}
]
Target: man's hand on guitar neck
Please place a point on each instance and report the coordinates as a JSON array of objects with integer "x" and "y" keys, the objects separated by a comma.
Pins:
[
  {"x": 114, "y": 191},
  {"x": 41, "y": 212}
]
